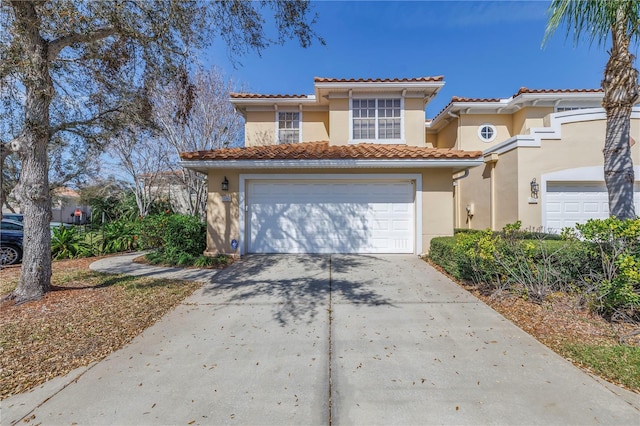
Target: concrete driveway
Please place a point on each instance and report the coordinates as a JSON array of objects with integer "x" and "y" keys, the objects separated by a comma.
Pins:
[{"x": 328, "y": 340}]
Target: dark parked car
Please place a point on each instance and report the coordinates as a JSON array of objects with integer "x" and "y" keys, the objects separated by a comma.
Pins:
[
  {"x": 13, "y": 216},
  {"x": 11, "y": 234}
]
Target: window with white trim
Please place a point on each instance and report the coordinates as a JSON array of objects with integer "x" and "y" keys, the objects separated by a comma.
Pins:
[
  {"x": 376, "y": 119},
  {"x": 487, "y": 132},
  {"x": 288, "y": 127}
]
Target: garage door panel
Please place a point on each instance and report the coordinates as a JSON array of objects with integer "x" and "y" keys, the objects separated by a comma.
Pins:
[
  {"x": 330, "y": 217},
  {"x": 571, "y": 207},
  {"x": 590, "y": 207}
]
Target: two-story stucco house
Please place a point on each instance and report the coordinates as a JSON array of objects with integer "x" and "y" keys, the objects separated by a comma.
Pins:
[
  {"x": 345, "y": 170},
  {"x": 356, "y": 168},
  {"x": 543, "y": 160}
]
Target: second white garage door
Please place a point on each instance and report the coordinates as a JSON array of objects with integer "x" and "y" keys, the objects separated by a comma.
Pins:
[
  {"x": 287, "y": 216},
  {"x": 569, "y": 203}
]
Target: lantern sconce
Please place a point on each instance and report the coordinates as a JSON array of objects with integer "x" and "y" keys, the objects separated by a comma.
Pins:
[
  {"x": 225, "y": 184},
  {"x": 535, "y": 189}
]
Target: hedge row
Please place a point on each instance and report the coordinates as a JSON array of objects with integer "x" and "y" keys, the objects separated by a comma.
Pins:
[{"x": 600, "y": 259}]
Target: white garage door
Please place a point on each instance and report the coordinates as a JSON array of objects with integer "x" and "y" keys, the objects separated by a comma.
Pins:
[
  {"x": 569, "y": 203},
  {"x": 345, "y": 216}
]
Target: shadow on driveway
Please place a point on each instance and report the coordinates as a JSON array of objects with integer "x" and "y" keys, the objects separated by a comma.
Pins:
[{"x": 299, "y": 286}]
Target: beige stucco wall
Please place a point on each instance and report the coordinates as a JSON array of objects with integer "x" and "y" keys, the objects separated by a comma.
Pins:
[
  {"x": 474, "y": 191},
  {"x": 529, "y": 117},
  {"x": 414, "y": 132},
  {"x": 221, "y": 230},
  {"x": 223, "y": 217},
  {"x": 437, "y": 205},
  {"x": 339, "y": 119},
  {"x": 260, "y": 128},
  {"x": 447, "y": 137},
  {"x": 507, "y": 189},
  {"x": 315, "y": 126},
  {"x": 469, "y": 124},
  {"x": 581, "y": 146},
  {"x": 414, "y": 121}
]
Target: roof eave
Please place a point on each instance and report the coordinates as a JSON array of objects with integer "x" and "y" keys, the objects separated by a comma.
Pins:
[
  {"x": 271, "y": 101},
  {"x": 432, "y": 87},
  {"x": 392, "y": 163}
]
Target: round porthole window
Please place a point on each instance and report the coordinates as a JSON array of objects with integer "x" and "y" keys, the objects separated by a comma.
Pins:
[{"x": 487, "y": 132}]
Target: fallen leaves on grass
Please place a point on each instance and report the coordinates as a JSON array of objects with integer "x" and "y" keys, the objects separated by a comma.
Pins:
[{"x": 87, "y": 316}]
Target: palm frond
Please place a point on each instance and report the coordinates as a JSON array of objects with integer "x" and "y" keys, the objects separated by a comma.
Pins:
[{"x": 592, "y": 19}]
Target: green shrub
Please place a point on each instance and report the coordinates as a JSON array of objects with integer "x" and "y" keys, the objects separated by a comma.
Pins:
[
  {"x": 152, "y": 231},
  {"x": 179, "y": 239},
  {"x": 522, "y": 261},
  {"x": 185, "y": 234},
  {"x": 203, "y": 261},
  {"x": 155, "y": 257},
  {"x": 616, "y": 244},
  {"x": 67, "y": 243},
  {"x": 185, "y": 259},
  {"x": 119, "y": 236},
  {"x": 466, "y": 231}
]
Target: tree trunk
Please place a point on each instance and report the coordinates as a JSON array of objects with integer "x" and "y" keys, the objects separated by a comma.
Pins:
[
  {"x": 31, "y": 146},
  {"x": 618, "y": 166},
  {"x": 620, "y": 86}
]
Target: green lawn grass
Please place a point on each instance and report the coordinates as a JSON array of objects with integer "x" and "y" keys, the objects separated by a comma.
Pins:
[{"x": 619, "y": 363}]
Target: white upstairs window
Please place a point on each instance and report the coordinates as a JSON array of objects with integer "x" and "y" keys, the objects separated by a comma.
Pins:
[
  {"x": 376, "y": 119},
  {"x": 288, "y": 127}
]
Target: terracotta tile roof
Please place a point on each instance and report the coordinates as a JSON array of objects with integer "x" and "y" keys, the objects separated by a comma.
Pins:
[
  {"x": 525, "y": 90},
  {"x": 377, "y": 80},
  {"x": 324, "y": 151},
  {"x": 461, "y": 99},
  {"x": 258, "y": 96}
]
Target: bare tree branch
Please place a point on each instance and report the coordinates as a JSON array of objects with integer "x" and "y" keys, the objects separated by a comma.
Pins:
[{"x": 60, "y": 43}]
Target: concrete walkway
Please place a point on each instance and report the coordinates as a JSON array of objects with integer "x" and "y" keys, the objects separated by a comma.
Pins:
[{"x": 325, "y": 340}]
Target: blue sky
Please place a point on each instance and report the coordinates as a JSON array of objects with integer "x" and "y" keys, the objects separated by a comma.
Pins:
[{"x": 483, "y": 48}]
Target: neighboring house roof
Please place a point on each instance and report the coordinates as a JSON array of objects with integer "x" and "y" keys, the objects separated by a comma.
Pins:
[
  {"x": 65, "y": 192},
  {"x": 524, "y": 96},
  {"x": 321, "y": 154}
]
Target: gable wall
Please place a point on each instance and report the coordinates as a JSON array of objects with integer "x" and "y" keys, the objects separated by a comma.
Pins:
[{"x": 469, "y": 124}]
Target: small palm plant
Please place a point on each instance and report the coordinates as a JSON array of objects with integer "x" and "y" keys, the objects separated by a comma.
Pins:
[{"x": 67, "y": 243}]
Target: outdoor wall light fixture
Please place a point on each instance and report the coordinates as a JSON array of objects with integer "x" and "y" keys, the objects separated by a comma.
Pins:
[
  {"x": 225, "y": 184},
  {"x": 535, "y": 188}
]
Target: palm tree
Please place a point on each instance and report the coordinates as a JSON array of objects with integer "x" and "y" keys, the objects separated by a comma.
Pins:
[{"x": 597, "y": 20}]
